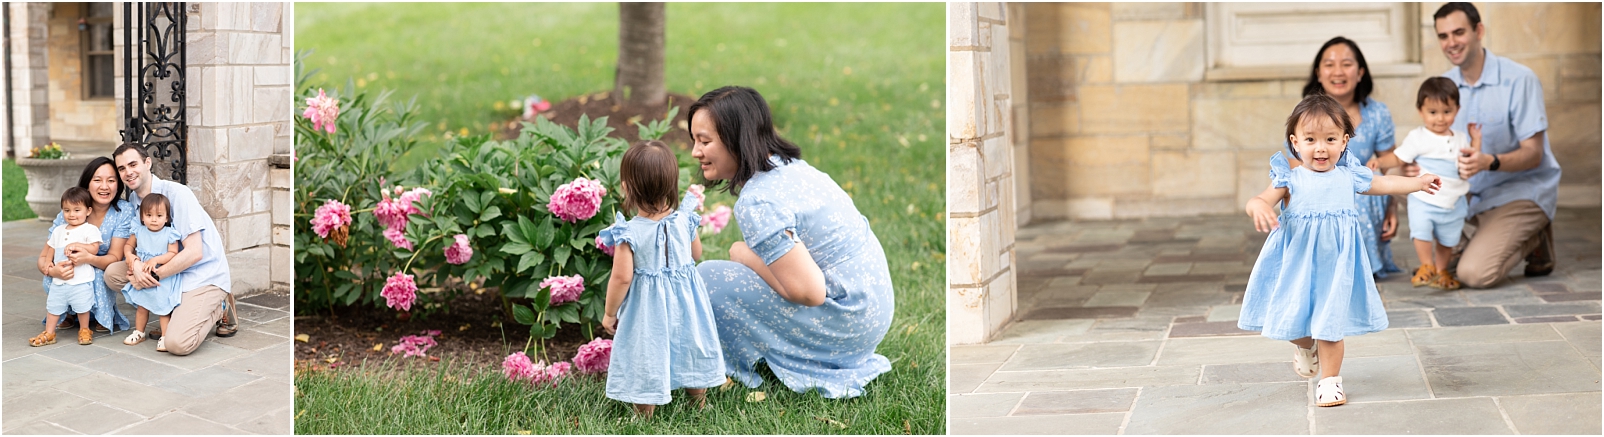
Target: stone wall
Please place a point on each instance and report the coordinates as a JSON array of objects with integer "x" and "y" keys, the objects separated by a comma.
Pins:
[
  {"x": 29, "y": 77},
  {"x": 1123, "y": 123},
  {"x": 980, "y": 178},
  {"x": 73, "y": 118}
]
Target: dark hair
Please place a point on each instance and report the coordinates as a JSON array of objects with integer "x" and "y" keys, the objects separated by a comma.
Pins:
[
  {"x": 1360, "y": 92},
  {"x": 78, "y": 195},
  {"x": 1438, "y": 88},
  {"x": 744, "y": 125},
  {"x": 124, "y": 147},
  {"x": 153, "y": 200},
  {"x": 1314, "y": 106},
  {"x": 651, "y": 177},
  {"x": 89, "y": 175},
  {"x": 1467, "y": 8}
]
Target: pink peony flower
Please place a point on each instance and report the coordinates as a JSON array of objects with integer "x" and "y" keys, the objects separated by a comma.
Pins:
[
  {"x": 392, "y": 212},
  {"x": 399, "y": 291},
  {"x": 459, "y": 252},
  {"x": 604, "y": 248},
  {"x": 577, "y": 200},
  {"x": 397, "y": 238},
  {"x": 322, "y": 110},
  {"x": 699, "y": 191},
  {"x": 414, "y": 345},
  {"x": 534, "y": 105},
  {"x": 715, "y": 221},
  {"x": 518, "y": 367},
  {"x": 594, "y": 357},
  {"x": 564, "y": 289},
  {"x": 332, "y": 215},
  {"x": 557, "y": 371}
]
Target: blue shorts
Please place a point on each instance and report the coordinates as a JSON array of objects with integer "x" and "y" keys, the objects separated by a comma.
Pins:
[
  {"x": 78, "y": 297},
  {"x": 1429, "y": 222}
]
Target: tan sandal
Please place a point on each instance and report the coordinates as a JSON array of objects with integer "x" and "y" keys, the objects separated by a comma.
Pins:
[
  {"x": 86, "y": 336},
  {"x": 1425, "y": 275},
  {"x": 43, "y": 339},
  {"x": 1445, "y": 281}
]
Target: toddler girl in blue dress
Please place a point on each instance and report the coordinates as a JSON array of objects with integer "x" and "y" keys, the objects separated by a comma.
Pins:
[
  {"x": 1312, "y": 281},
  {"x": 657, "y": 305},
  {"x": 149, "y": 247}
]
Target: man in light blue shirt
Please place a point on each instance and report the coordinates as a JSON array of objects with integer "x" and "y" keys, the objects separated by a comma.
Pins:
[
  {"x": 200, "y": 265},
  {"x": 1514, "y": 179}
]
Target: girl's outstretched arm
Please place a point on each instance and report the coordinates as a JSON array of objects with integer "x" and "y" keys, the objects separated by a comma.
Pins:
[
  {"x": 172, "y": 251},
  {"x": 1260, "y": 210},
  {"x": 1390, "y": 185},
  {"x": 618, "y": 285}
]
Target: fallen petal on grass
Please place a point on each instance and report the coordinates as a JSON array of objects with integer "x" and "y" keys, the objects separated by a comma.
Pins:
[
  {"x": 836, "y": 423},
  {"x": 303, "y": 338},
  {"x": 728, "y": 383},
  {"x": 756, "y": 396}
]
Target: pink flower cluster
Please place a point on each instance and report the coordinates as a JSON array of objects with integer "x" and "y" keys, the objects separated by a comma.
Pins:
[
  {"x": 604, "y": 248},
  {"x": 699, "y": 191},
  {"x": 594, "y": 357},
  {"x": 459, "y": 252},
  {"x": 518, "y": 367},
  {"x": 416, "y": 345},
  {"x": 332, "y": 215},
  {"x": 322, "y": 110},
  {"x": 533, "y": 105},
  {"x": 392, "y": 212},
  {"x": 564, "y": 289},
  {"x": 715, "y": 221},
  {"x": 577, "y": 200},
  {"x": 400, "y": 291}
]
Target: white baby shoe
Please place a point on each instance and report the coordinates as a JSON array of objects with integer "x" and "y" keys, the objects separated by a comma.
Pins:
[
  {"x": 1328, "y": 392},
  {"x": 1306, "y": 362}
]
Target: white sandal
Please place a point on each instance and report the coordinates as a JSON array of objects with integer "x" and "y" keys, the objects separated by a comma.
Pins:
[
  {"x": 1306, "y": 362},
  {"x": 1328, "y": 392},
  {"x": 134, "y": 338},
  {"x": 161, "y": 345}
]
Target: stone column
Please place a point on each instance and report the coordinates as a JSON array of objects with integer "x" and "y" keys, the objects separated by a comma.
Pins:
[
  {"x": 239, "y": 88},
  {"x": 30, "y": 80},
  {"x": 980, "y": 179}
]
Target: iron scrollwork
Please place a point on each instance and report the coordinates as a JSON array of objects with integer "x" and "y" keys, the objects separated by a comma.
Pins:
[{"x": 153, "y": 85}]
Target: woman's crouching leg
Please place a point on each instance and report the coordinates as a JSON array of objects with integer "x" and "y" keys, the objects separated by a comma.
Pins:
[{"x": 196, "y": 314}]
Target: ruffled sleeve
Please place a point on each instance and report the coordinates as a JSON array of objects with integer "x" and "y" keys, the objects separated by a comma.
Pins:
[
  {"x": 1361, "y": 175},
  {"x": 764, "y": 224},
  {"x": 616, "y": 234},
  {"x": 687, "y": 206},
  {"x": 1280, "y": 171}
]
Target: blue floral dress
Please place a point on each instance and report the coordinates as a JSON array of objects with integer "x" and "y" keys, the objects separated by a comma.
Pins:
[
  {"x": 666, "y": 339},
  {"x": 1374, "y": 134},
  {"x": 1312, "y": 278},
  {"x": 161, "y": 299},
  {"x": 118, "y": 223},
  {"x": 829, "y": 347}
]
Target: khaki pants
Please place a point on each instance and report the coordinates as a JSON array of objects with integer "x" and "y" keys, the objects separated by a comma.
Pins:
[
  {"x": 197, "y": 313},
  {"x": 1496, "y": 240}
]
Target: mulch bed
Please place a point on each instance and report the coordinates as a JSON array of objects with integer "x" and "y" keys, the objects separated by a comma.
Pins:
[{"x": 621, "y": 116}]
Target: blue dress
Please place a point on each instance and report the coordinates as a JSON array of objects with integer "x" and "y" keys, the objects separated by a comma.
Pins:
[
  {"x": 665, "y": 338},
  {"x": 1313, "y": 278},
  {"x": 161, "y": 299},
  {"x": 829, "y": 347},
  {"x": 118, "y": 223},
  {"x": 1374, "y": 134}
]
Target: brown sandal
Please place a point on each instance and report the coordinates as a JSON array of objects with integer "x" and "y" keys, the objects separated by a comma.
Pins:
[
  {"x": 1425, "y": 275},
  {"x": 43, "y": 339},
  {"x": 86, "y": 336},
  {"x": 1445, "y": 281}
]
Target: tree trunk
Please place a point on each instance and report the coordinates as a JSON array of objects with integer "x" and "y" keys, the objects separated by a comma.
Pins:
[{"x": 640, "y": 53}]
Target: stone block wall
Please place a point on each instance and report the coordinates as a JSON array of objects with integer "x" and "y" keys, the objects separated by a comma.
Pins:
[
  {"x": 29, "y": 77},
  {"x": 980, "y": 179},
  {"x": 73, "y": 118},
  {"x": 1123, "y": 124}
]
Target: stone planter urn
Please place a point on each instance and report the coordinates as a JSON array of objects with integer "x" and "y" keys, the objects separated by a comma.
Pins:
[{"x": 47, "y": 179}]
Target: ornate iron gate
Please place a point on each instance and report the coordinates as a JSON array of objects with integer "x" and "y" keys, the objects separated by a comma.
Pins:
[{"x": 153, "y": 85}]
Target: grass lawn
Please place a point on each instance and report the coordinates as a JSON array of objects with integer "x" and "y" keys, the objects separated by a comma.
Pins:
[
  {"x": 16, "y": 193},
  {"x": 858, "y": 85}
]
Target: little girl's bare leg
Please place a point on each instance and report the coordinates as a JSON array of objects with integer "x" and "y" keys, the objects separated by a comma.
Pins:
[
  {"x": 645, "y": 410},
  {"x": 1305, "y": 342},
  {"x": 698, "y": 396},
  {"x": 141, "y": 318},
  {"x": 162, "y": 320},
  {"x": 1330, "y": 358}
]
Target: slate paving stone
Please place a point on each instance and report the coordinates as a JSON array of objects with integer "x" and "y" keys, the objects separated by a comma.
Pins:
[
  {"x": 1469, "y": 316},
  {"x": 93, "y": 418},
  {"x": 965, "y": 378},
  {"x": 178, "y": 423},
  {"x": 1427, "y": 302},
  {"x": 40, "y": 428},
  {"x": 34, "y": 371},
  {"x": 1118, "y": 277},
  {"x": 1549, "y": 287},
  {"x": 1545, "y": 319},
  {"x": 135, "y": 369},
  {"x": 1207, "y": 329},
  {"x": 268, "y": 300},
  {"x": 1073, "y": 424},
  {"x": 241, "y": 404},
  {"x": 1105, "y": 336},
  {"x": 1591, "y": 317},
  {"x": 1377, "y": 344},
  {"x": 1569, "y": 297},
  {"x": 277, "y": 422},
  {"x": 1082, "y": 379},
  {"x": 1157, "y": 323},
  {"x": 26, "y": 406},
  {"x": 1117, "y": 299},
  {"x": 1225, "y": 350},
  {"x": 1077, "y": 402},
  {"x": 1042, "y": 331},
  {"x": 1279, "y": 408},
  {"x": 973, "y": 405},
  {"x": 1498, "y": 369},
  {"x": 208, "y": 381},
  {"x": 1501, "y": 297},
  {"x": 1078, "y": 355},
  {"x": 1224, "y": 313},
  {"x": 1055, "y": 313},
  {"x": 1483, "y": 334},
  {"x": 1560, "y": 414},
  {"x": 1388, "y": 378},
  {"x": 978, "y": 354},
  {"x": 118, "y": 393},
  {"x": 1399, "y": 319},
  {"x": 1552, "y": 309},
  {"x": 1250, "y": 373},
  {"x": 1441, "y": 416},
  {"x": 1584, "y": 336}
]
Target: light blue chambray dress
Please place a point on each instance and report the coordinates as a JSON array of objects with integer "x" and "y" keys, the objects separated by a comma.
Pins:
[
  {"x": 161, "y": 299},
  {"x": 1375, "y": 133},
  {"x": 118, "y": 223},
  {"x": 1313, "y": 278},
  {"x": 666, "y": 339},
  {"x": 829, "y": 347}
]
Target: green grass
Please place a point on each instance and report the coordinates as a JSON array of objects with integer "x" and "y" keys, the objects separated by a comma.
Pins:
[
  {"x": 15, "y": 191},
  {"x": 859, "y": 86}
]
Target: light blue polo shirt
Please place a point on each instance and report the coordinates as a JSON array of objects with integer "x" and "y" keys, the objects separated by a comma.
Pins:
[
  {"x": 1508, "y": 102},
  {"x": 188, "y": 218}
]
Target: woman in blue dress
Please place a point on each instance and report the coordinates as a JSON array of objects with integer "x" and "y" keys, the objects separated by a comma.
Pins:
[
  {"x": 1340, "y": 71},
  {"x": 808, "y": 291},
  {"x": 115, "y": 218}
]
